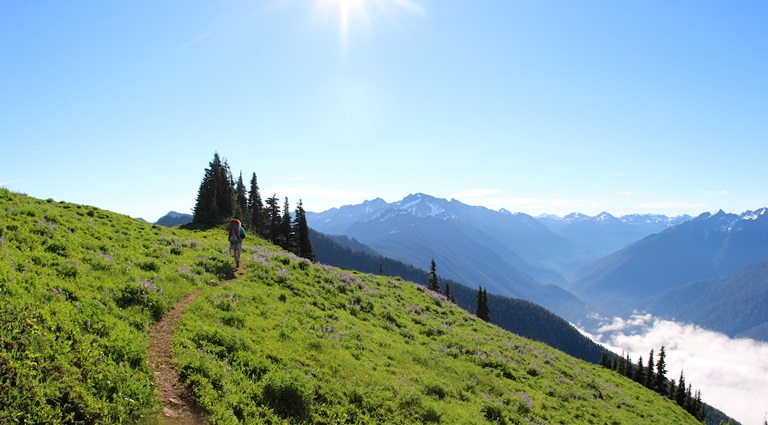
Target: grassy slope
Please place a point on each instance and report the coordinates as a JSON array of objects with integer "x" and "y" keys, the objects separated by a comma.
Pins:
[
  {"x": 292, "y": 342},
  {"x": 79, "y": 288}
]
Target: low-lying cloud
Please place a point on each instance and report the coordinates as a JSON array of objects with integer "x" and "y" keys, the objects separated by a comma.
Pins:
[{"x": 732, "y": 374}]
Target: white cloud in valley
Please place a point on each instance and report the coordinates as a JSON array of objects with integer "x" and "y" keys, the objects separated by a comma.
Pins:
[{"x": 732, "y": 374}]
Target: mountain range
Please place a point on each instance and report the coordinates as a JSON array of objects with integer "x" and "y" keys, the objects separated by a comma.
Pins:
[
  {"x": 575, "y": 264},
  {"x": 708, "y": 247},
  {"x": 605, "y": 233},
  {"x": 509, "y": 254}
]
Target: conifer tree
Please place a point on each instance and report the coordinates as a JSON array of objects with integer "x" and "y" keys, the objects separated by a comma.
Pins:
[
  {"x": 621, "y": 365},
  {"x": 381, "y": 269},
  {"x": 661, "y": 373},
  {"x": 272, "y": 209},
  {"x": 628, "y": 367},
  {"x": 486, "y": 309},
  {"x": 649, "y": 377},
  {"x": 639, "y": 375},
  {"x": 604, "y": 362},
  {"x": 434, "y": 284},
  {"x": 286, "y": 229},
  {"x": 241, "y": 204},
  {"x": 671, "y": 388},
  {"x": 481, "y": 311},
  {"x": 680, "y": 390},
  {"x": 688, "y": 403},
  {"x": 698, "y": 407},
  {"x": 301, "y": 230},
  {"x": 215, "y": 197},
  {"x": 225, "y": 191},
  {"x": 256, "y": 208},
  {"x": 449, "y": 293}
]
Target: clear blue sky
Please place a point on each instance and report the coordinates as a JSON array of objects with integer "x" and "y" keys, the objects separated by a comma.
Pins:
[{"x": 533, "y": 106}]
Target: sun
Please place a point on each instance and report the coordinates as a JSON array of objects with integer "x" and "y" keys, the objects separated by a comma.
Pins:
[{"x": 358, "y": 13}]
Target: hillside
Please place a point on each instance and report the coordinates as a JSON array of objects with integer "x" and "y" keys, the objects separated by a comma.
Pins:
[
  {"x": 515, "y": 315},
  {"x": 291, "y": 341}
]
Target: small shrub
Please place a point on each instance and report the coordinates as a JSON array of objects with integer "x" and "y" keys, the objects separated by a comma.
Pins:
[
  {"x": 149, "y": 266},
  {"x": 58, "y": 248},
  {"x": 435, "y": 390},
  {"x": 288, "y": 394},
  {"x": 430, "y": 414}
]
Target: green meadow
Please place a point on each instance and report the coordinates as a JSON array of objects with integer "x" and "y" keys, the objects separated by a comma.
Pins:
[{"x": 290, "y": 342}]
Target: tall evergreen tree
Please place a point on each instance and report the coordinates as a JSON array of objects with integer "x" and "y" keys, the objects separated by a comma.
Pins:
[
  {"x": 286, "y": 229},
  {"x": 215, "y": 196},
  {"x": 649, "y": 377},
  {"x": 381, "y": 269},
  {"x": 639, "y": 375},
  {"x": 680, "y": 390},
  {"x": 434, "y": 284},
  {"x": 604, "y": 362},
  {"x": 272, "y": 209},
  {"x": 241, "y": 200},
  {"x": 301, "y": 230},
  {"x": 661, "y": 373},
  {"x": 671, "y": 388},
  {"x": 688, "y": 403},
  {"x": 481, "y": 311},
  {"x": 699, "y": 411},
  {"x": 225, "y": 191},
  {"x": 621, "y": 366},
  {"x": 449, "y": 293},
  {"x": 256, "y": 208},
  {"x": 628, "y": 367}
]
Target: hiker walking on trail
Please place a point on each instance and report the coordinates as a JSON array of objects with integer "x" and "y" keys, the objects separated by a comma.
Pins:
[{"x": 236, "y": 236}]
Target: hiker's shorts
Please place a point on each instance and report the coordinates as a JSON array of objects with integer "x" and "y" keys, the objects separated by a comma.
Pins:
[{"x": 236, "y": 246}]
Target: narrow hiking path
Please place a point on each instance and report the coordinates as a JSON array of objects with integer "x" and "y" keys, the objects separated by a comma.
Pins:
[{"x": 178, "y": 406}]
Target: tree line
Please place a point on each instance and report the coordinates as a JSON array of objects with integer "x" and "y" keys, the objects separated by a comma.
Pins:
[
  {"x": 654, "y": 377},
  {"x": 221, "y": 198}
]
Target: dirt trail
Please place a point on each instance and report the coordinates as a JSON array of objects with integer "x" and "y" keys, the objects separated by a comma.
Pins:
[{"x": 176, "y": 401}]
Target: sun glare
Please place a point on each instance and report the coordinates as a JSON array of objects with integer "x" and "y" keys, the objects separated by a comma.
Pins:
[{"x": 358, "y": 13}]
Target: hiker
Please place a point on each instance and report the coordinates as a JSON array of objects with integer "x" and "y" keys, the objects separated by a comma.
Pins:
[{"x": 236, "y": 236}]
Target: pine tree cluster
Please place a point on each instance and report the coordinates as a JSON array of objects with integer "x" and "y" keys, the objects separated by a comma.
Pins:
[
  {"x": 656, "y": 380},
  {"x": 482, "y": 311},
  {"x": 221, "y": 198}
]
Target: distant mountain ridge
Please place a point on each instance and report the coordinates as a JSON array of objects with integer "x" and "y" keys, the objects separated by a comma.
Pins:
[
  {"x": 710, "y": 246},
  {"x": 519, "y": 256},
  {"x": 174, "y": 218},
  {"x": 605, "y": 233},
  {"x": 509, "y": 254}
]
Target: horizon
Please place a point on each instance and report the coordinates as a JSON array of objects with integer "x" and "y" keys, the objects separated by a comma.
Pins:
[{"x": 191, "y": 212}]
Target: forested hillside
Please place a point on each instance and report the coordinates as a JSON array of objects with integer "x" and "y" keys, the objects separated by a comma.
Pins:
[{"x": 293, "y": 341}]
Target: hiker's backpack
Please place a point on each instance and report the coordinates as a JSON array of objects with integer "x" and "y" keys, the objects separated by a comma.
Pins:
[{"x": 234, "y": 231}]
